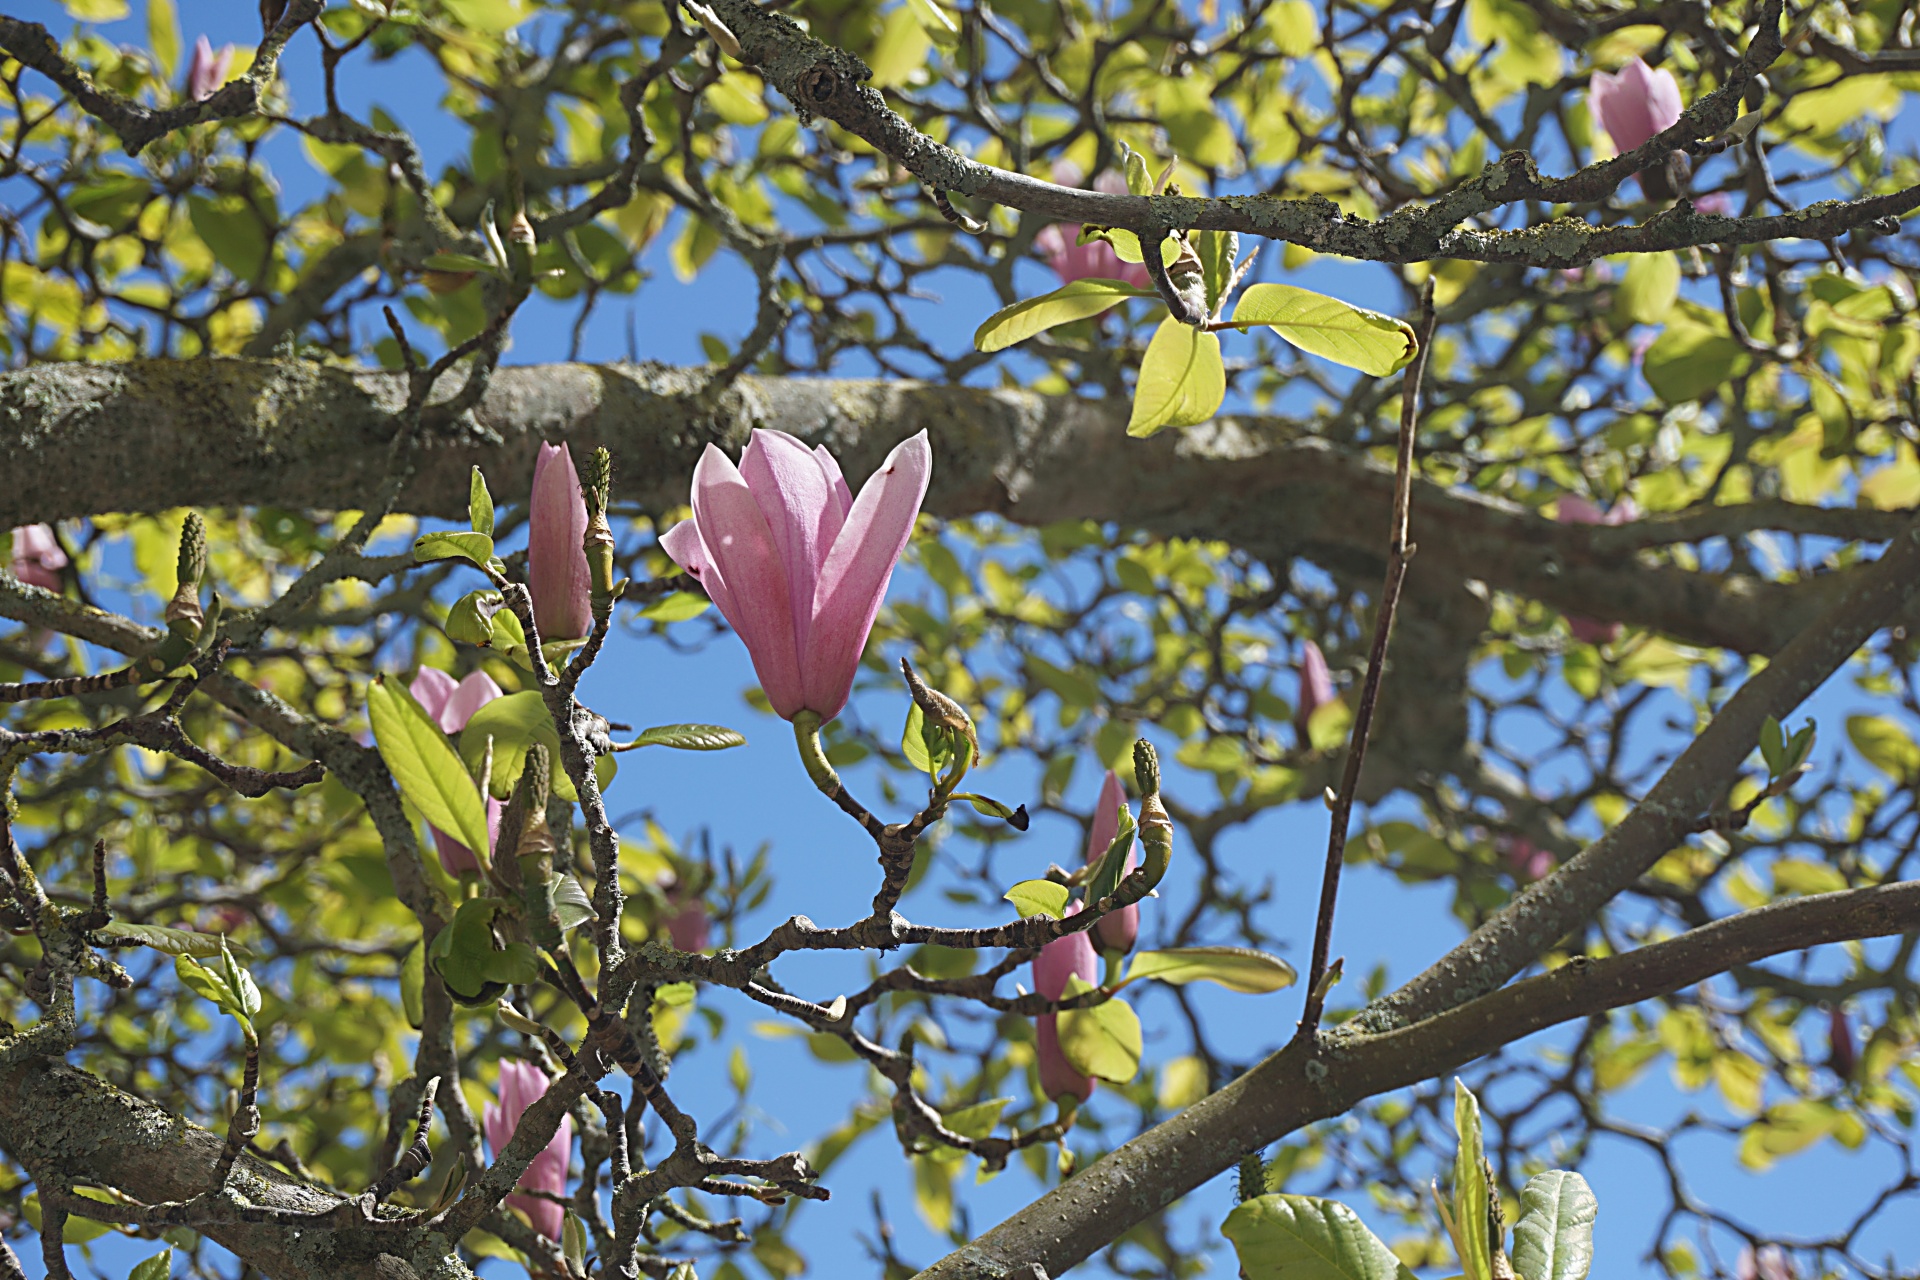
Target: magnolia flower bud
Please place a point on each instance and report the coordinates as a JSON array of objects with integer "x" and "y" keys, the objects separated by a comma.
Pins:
[{"x": 557, "y": 573}]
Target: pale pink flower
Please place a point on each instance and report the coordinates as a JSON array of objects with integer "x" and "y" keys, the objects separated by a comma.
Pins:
[
  {"x": 1527, "y": 860},
  {"x": 1061, "y": 959},
  {"x": 1573, "y": 509},
  {"x": 557, "y": 573},
  {"x": 1117, "y": 930},
  {"x": 37, "y": 557},
  {"x": 1095, "y": 259},
  {"x": 452, "y": 705},
  {"x": 1316, "y": 686},
  {"x": 1634, "y": 103},
  {"x": 796, "y": 564},
  {"x": 208, "y": 71},
  {"x": 521, "y": 1085},
  {"x": 1770, "y": 1263}
]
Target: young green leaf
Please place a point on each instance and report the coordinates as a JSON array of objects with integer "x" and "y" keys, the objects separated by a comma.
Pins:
[
  {"x": 573, "y": 1243},
  {"x": 1039, "y": 898},
  {"x": 691, "y": 737},
  {"x": 1472, "y": 1239},
  {"x": 413, "y": 979},
  {"x": 1139, "y": 176},
  {"x": 1102, "y": 1041},
  {"x": 453, "y": 264},
  {"x": 1773, "y": 747},
  {"x": 1554, "y": 1238},
  {"x": 989, "y": 807},
  {"x": 1182, "y": 380},
  {"x": 158, "y": 1267},
  {"x": 470, "y": 621},
  {"x": 676, "y": 606},
  {"x": 175, "y": 942},
  {"x": 423, "y": 761},
  {"x": 1112, "y": 866},
  {"x": 1327, "y": 327},
  {"x": 570, "y": 903},
  {"x": 1073, "y": 301},
  {"x": 1235, "y": 968},
  {"x": 464, "y": 954},
  {"x": 246, "y": 996},
  {"x": 1649, "y": 288},
  {"x": 474, "y": 547},
  {"x": 480, "y": 507},
  {"x": 1800, "y": 746},
  {"x": 1307, "y": 1238},
  {"x": 514, "y": 723},
  {"x": 209, "y": 986},
  {"x": 929, "y": 750}
]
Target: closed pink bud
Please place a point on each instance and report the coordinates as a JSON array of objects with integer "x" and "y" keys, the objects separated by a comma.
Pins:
[
  {"x": 1634, "y": 103},
  {"x": 451, "y": 705},
  {"x": 557, "y": 573},
  {"x": 1316, "y": 685},
  {"x": 1061, "y": 959},
  {"x": 521, "y": 1085},
  {"x": 1117, "y": 930},
  {"x": 1840, "y": 1050},
  {"x": 208, "y": 71},
  {"x": 794, "y": 562},
  {"x": 37, "y": 557},
  {"x": 1574, "y": 509}
]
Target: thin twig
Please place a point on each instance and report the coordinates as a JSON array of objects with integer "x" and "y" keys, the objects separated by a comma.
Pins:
[{"x": 1399, "y": 551}]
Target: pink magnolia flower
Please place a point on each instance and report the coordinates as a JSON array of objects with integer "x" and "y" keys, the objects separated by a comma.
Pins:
[
  {"x": 1095, "y": 259},
  {"x": 37, "y": 557},
  {"x": 1770, "y": 1263},
  {"x": 1573, "y": 509},
  {"x": 452, "y": 705},
  {"x": 1527, "y": 860},
  {"x": 521, "y": 1085},
  {"x": 208, "y": 71},
  {"x": 1118, "y": 930},
  {"x": 1316, "y": 685},
  {"x": 687, "y": 927},
  {"x": 796, "y": 564},
  {"x": 1061, "y": 959},
  {"x": 1841, "y": 1054},
  {"x": 1634, "y": 103},
  {"x": 556, "y": 561}
]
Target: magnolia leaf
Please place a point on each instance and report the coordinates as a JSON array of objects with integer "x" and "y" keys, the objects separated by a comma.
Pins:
[
  {"x": 425, "y": 764},
  {"x": 1471, "y": 1236},
  {"x": 470, "y": 621},
  {"x": 514, "y": 723},
  {"x": 987, "y": 805},
  {"x": 927, "y": 750},
  {"x": 475, "y": 970},
  {"x": 474, "y": 547},
  {"x": 691, "y": 737},
  {"x": 413, "y": 980},
  {"x": 1554, "y": 1238},
  {"x": 1773, "y": 746},
  {"x": 1112, "y": 865},
  {"x": 1126, "y": 245},
  {"x": 573, "y": 1243},
  {"x": 1329, "y": 328},
  {"x": 1102, "y": 1041},
  {"x": 158, "y": 1267},
  {"x": 1182, "y": 380},
  {"x": 1073, "y": 301},
  {"x": 175, "y": 942},
  {"x": 1039, "y": 898},
  {"x": 207, "y": 985},
  {"x": 571, "y": 906},
  {"x": 1235, "y": 968},
  {"x": 246, "y": 995},
  {"x": 676, "y": 606},
  {"x": 454, "y": 263},
  {"x": 480, "y": 507},
  {"x": 1307, "y": 1238},
  {"x": 1649, "y": 288}
]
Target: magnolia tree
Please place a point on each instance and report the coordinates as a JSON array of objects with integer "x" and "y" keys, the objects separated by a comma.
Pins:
[{"x": 1345, "y": 474}]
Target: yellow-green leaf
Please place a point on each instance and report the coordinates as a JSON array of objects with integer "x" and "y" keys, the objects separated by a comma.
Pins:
[
  {"x": 163, "y": 36},
  {"x": 425, "y": 764},
  {"x": 1649, "y": 289},
  {"x": 1102, "y": 1041},
  {"x": 1182, "y": 380},
  {"x": 1076, "y": 300},
  {"x": 1285, "y": 1237},
  {"x": 1329, "y": 328},
  {"x": 1039, "y": 898},
  {"x": 1470, "y": 1235},
  {"x": 1235, "y": 968}
]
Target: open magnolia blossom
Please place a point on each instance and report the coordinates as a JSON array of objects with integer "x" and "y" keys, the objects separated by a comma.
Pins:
[
  {"x": 795, "y": 562},
  {"x": 1634, "y": 103},
  {"x": 452, "y": 704},
  {"x": 521, "y": 1085}
]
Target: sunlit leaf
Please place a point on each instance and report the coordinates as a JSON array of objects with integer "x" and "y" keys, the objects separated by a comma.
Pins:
[
  {"x": 1235, "y": 968},
  {"x": 425, "y": 764},
  {"x": 1182, "y": 380},
  {"x": 1327, "y": 327},
  {"x": 1073, "y": 301}
]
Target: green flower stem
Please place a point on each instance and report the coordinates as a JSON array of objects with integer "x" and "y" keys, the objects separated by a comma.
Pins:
[{"x": 806, "y": 732}]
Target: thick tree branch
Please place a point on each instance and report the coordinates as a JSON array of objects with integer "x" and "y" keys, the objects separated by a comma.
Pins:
[{"x": 1308, "y": 1082}]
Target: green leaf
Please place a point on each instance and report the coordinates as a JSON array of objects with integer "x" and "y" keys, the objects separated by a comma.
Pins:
[
  {"x": 470, "y": 621},
  {"x": 424, "y": 763},
  {"x": 1470, "y": 1188},
  {"x": 492, "y": 17},
  {"x": 229, "y": 987},
  {"x": 676, "y": 606},
  {"x": 96, "y": 10},
  {"x": 1688, "y": 361},
  {"x": 455, "y": 263},
  {"x": 691, "y": 737},
  {"x": 1139, "y": 177},
  {"x": 464, "y": 954},
  {"x": 926, "y": 749},
  {"x": 1102, "y": 1041},
  {"x": 175, "y": 942},
  {"x": 232, "y": 231},
  {"x": 989, "y": 807},
  {"x": 475, "y": 547},
  {"x": 480, "y": 507},
  {"x": 937, "y": 21},
  {"x": 571, "y": 905},
  {"x": 1307, "y": 1238},
  {"x": 1884, "y": 745},
  {"x": 515, "y": 723},
  {"x": 1039, "y": 898},
  {"x": 1773, "y": 747},
  {"x": 413, "y": 979},
  {"x": 1126, "y": 245},
  {"x": 1235, "y": 968},
  {"x": 1073, "y": 301},
  {"x": 1112, "y": 866},
  {"x": 1554, "y": 1238},
  {"x": 1182, "y": 380},
  {"x": 1327, "y": 327},
  {"x": 1216, "y": 264},
  {"x": 208, "y": 986},
  {"x": 245, "y": 994},
  {"x": 1649, "y": 288},
  {"x": 573, "y": 1243},
  {"x": 158, "y": 1267},
  {"x": 163, "y": 37}
]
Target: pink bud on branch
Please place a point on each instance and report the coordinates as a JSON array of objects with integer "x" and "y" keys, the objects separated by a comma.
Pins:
[
  {"x": 521, "y": 1085},
  {"x": 794, "y": 562},
  {"x": 1117, "y": 930},
  {"x": 1061, "y": 959},
  {"x": 452, "y": 705},
  {"x": 37, "y": 558},
  {"x": 209, "y": 70},
  {"x": 557, "y": 574},
  {"x": 1632, "y": 105},
  {"x": 1316, "y": 686}
]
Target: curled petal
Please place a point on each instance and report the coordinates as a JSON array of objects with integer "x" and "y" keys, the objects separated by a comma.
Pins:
[
  {"x": 473, "y": 693},
  {"x": 431, "y": 689},
  {"x": 755, "y": 600}
]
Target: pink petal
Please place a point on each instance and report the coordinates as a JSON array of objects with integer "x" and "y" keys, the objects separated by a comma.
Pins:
[
  {"x": 1057, "y": 1075},
  {"x": 1063, "y": 958},
  {"x": 803, "y": 513},
  {"x": 842, "y": 494},
  {"x": 431, "y": 689},
  {"x": 557, "y": 572},
  {"x": 1106, "y": 817},
  {"x": 473, "y": 693},
  {"x": 755, "y": 598},
  {"x": 1316, "y": 683},
  {"x": 1574, "y": 509},
  {"x": 857, "y": 570}
]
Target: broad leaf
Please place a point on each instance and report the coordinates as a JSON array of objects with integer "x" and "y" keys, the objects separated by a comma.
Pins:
[
  {"x": 1329, "y": 328},
  {"x": 1073, "y": 301},
  {"x": 474, "y": 547},
  {"x": 424, "y": 763},
  {"x": 1471, "y": 1236},
  {"x": 1235, "y": 968},
  {"x": 1112, "y": 866},
  {"x": 413, "y": 978},
  {"x": 464, "y": 954},
  {"x": 1649, "y": 289},
  {"x": 927, "y": 750},
  {"x": 571, "y": 905},
  {"x": 989, "y": 807},
  {"x": 470, "y": 621},
  {"x": 1039, "y": 898},
  {"x": 515, "y": 723},
  {"x": 1554, "y": 1238},
  {"x": 480, "y": 507},
  {"x": 691, "y": 737},
  {"x": 1182, "y": 380},
  {"x": 676, "y": 606},
  {"x": 1287, "y": 1237},
  {"x": 1103, "y": 1041},
  {"x": 175, "y": 942},
  {"x": 158, "y": 1267}
]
